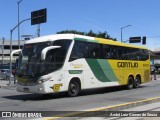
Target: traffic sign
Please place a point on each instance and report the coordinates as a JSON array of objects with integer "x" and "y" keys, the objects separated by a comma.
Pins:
[
  {"x": 39, "y": 16},
  {"x": 144, "y": 40},
  {"x": 134, "y": 39}
]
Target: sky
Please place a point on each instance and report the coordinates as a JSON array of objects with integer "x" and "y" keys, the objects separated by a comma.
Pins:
[{"x": 85, "y": 15}]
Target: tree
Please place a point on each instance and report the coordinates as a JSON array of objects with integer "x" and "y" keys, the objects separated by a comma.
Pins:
[{"x": 90, "y": 33}]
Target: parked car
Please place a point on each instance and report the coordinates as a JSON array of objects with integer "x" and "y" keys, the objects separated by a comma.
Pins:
[{"x": 4, "y": 74}]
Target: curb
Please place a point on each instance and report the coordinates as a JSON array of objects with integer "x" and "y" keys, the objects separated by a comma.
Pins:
[
  {"x": 129, "y": 105},
  {"x": 90, "y": 112}
]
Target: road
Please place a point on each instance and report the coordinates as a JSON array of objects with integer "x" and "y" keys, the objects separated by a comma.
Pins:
[{"x": 11, "y": 100}]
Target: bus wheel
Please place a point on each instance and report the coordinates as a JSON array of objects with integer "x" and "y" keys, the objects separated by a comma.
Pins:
[
  {"x": 137, "y": 82},
  {"x": 130, "y": 83},
  {"x": 73, "y": 89}
]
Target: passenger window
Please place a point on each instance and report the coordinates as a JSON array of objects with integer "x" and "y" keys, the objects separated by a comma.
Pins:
[
  {"x": 80, "y": 50},
  {"x": 95, "y": 50}
]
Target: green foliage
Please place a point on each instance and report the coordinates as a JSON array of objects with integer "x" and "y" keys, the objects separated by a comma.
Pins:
[{"x": 90, "y": 33}]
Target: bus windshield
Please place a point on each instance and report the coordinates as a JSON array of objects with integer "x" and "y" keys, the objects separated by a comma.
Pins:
[
  {"x": 30, "y": 63},
  {"x": 29, "y": 60}
]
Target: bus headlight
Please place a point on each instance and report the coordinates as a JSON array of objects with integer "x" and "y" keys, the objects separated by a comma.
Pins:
[{"x": 43, "y": 79}]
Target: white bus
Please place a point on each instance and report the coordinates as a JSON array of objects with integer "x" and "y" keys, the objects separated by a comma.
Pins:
[{"x": 70, "y": 63}]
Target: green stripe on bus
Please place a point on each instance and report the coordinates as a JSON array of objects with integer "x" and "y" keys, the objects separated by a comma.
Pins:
[
  {"x": 75, "y": 71},
  {"x": 107, "y": 69},
  {"x": 86, "y": 40},
  {"x": 102, "y": 70}
]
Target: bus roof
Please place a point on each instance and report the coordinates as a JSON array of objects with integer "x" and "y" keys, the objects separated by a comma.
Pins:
[
  {"x": 80, "y": 38},
  {"x": 50, "y": 38}
]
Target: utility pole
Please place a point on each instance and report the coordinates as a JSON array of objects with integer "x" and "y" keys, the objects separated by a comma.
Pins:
[
  {"x": 122, "y": 30},
  {"x": 18, "y": 24},
  {"x": 38, "y": 30},
  {"x": 3, "y": 50}
]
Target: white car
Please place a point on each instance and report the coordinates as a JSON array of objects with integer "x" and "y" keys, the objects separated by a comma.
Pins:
[{"x": 4, "y": 74}]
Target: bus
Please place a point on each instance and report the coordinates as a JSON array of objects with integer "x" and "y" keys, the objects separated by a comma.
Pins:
[{"x": 71, "y": 63}]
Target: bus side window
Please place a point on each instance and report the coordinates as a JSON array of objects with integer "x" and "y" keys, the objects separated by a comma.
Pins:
[
  {"x": 113, "y": 52},
  {"x": 145, "y": 55},
  {"x": 94, "y": 50},
  {"x": 130, "y": 53},
  {"x": 80, "y": 50},
  {"x": 125, "y": 53},
  {"x": 107, "y": 53},
  {"x": 92, "y": 53},
  {"x": 135, "y": 53},
  {"x": 74, "y": 55},
  {"x": 120, "y": 51},
  {"x": 83, "y": 50}
]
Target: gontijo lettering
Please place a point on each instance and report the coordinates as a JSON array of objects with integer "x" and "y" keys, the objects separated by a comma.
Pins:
[{"x": 127, "y": 65}]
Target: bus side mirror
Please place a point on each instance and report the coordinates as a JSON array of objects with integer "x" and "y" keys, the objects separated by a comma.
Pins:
[
  {"x": 15, "y": 51},
  {"x": 45, "y": 50}
]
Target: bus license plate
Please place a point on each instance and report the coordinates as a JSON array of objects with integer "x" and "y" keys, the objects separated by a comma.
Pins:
[{"x": 26, "y": 89}]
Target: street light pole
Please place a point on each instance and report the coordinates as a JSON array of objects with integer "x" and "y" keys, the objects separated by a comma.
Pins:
[
  {"x": 122, "y": 30},
  {"x": 11, "y": 31},
  {"x": 18, "y": 25},
  {"x": 3, "y": 50},
  {"x": 10, "y": 72}
]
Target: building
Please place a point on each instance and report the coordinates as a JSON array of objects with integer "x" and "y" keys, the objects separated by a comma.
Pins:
[
  {"x": 155, "y": 58},
  {"x": 5, "y": 50}
]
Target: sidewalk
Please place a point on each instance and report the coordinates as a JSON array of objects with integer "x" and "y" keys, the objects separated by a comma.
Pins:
[
  {"x": 5, "y": 83},
  {"x": 145, "y": 112},
  {"x": 155, "y": 78}
]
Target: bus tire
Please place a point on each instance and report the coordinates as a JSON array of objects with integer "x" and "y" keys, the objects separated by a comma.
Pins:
[
  {"x": 73, "y": 88},
  {"x": 137, "y": 82},
  {"x": 130, "y": 83}
]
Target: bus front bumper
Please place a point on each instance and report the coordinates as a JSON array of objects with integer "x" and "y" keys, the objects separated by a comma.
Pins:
[{"x": 39, "y": 88}]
